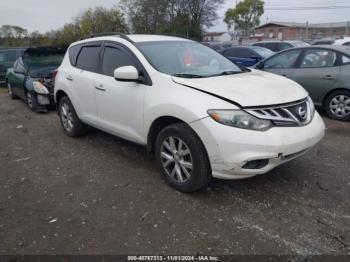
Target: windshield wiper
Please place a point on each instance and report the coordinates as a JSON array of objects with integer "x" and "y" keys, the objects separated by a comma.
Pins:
[
  {"x": 226, "y": 73},
  {"x": 188, "y": 75}
]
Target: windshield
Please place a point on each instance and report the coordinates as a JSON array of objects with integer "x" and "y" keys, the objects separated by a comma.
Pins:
[
  {"x": 186, "y": 59},
  {"x": 264, "y": 52},
  {"x": 300, "y": 43},
  {"x": 41, "y": 61}
]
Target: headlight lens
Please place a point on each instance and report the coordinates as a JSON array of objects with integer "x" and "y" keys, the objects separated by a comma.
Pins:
[
  {"x": 239, "y": 119},
  {"x": 40, "y": 88},
  {"x": 312, "y": 106}
]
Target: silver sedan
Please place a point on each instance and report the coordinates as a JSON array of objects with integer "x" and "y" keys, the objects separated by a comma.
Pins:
[{"x": 324, "y": 71}]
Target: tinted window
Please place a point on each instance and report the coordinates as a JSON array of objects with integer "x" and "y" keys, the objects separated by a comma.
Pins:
[
  {"x": 114, "y": 58},
  {"x": 314, "y": 58},
  {"x": 232, "y": 52},
  {"x": 259, "y": 44},
  {"x": 347, "y": 44},
  {"x": 88, "y": 58},
  {"x": 272, "y": 46},
  {"x": 73, "y": 54},
  {"x": 246, "y": 53},
  {"x": 284, "y": 60},
  {"x": 283, "y": 46}
]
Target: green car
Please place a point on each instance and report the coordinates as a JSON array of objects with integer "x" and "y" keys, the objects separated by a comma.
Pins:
[{"x": 32, "y": 77}]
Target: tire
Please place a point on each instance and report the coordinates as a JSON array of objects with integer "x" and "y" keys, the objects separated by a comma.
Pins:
[
  {"x": 337, "y": 105},
  {"x": 9, "y": 90},
  {"x": 70, "y": 122},
  {"x": 32, "y": 101},
  {"x": 174, "y": 159}
]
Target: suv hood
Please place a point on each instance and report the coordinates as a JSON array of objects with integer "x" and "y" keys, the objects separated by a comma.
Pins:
[{"x": 255, "y": 88}]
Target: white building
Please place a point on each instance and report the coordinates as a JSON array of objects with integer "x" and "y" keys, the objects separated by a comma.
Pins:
[{"x": 217, "y": 37}]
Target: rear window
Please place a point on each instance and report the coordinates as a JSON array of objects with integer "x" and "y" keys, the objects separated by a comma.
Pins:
[
  {"x": 88, "y": 58},
  {"x": 73, "y": 54}
]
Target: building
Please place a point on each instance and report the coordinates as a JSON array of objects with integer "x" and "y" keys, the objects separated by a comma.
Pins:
[
  {"x": 216, "y": 37},
  {"x": 292, "y": 31}
]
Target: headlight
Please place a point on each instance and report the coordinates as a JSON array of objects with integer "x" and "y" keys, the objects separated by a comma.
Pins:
[
  {"x": 312, "y": 106},
  {"x": 40, "y": 88},
  {"x": 239, "y": 119}
]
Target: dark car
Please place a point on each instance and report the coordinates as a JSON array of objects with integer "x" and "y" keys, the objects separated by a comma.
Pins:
[
  {"x": 246, "y": 55},
  {"x": 7, "y": 57},
  {"x": 323, "y": 41},
  {"x": 277, "y": 45},
  {"x": 218, "y": 46},
  {"x": 32, "y": 76},
  {"x": 324, "y": 71}
]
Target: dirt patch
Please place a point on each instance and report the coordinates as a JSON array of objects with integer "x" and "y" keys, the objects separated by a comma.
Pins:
[{"x": 103, "y": 195}]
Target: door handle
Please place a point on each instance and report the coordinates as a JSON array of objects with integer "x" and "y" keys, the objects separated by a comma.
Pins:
[
  {"x": 328, "y": 77},
  {"x": 100, "y": 88},
  {"x": 69, "y": 78}
]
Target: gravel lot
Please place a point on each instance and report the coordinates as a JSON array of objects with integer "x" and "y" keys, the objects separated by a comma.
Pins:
[{"x": 103, "y": 195}]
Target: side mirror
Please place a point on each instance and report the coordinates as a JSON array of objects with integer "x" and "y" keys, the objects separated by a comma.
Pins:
[
  {"x": 260, "y": 65},
  {"x": 127, "y": 74}
]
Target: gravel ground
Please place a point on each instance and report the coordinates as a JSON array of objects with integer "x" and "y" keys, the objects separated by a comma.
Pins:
[{"x": 103, "y": 195}]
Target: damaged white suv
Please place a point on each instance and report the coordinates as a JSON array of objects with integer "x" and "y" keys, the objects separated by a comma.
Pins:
[{"x": 199, "y": 113}]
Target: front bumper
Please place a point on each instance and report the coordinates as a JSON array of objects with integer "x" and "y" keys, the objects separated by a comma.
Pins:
[{"x": 230, "y": 149}]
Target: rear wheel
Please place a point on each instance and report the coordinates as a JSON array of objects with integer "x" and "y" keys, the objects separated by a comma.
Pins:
[
  {"x": 182, "y": 158},
  {"x": 9, "y": 90},
  {"x": 69, "y": 119},
  {"x": 337, "y": 105}
]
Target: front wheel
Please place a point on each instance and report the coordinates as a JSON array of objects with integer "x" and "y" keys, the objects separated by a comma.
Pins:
[
  {"x": 337, "y": 105},
  {"x": 32, "y": 101},
  {"x": 69, "y": 119},
  {"x": 182, "y": 158}
]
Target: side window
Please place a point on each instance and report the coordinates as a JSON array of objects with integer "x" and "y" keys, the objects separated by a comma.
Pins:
[
  {"x": 114, "y": 58},
  {"x": 345, "y": 60},
  {"x": 282, "y": 61},
  {"x": 316, "y": 58},
  {"x": 272, "y": 46},
  {"x": 284, "y": 46},
  {"x": 232, "y": 52},
  {"x": 88, "y": 58},
  {"x": 347, "y": 44},
  {"x": 246, "y": 53},
  {"x": 73, "y": 54}
]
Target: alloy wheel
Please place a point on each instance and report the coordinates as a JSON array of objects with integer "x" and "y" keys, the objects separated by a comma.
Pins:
[
  {"x": 176, "y": 159},
  {"x": 340, "y": 106},
  {"x": 67, "y": 118}
]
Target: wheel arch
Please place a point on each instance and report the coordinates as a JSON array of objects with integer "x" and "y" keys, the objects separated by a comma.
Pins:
[
  {"x": 58, "y": 96},
  {"x": 325, "y": 97}
]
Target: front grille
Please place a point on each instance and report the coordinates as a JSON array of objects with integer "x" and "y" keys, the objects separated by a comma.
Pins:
[{"x": 292, "y": 114}]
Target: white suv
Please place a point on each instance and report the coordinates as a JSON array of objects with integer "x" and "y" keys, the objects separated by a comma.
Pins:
[{"x": 199, "y": 113}]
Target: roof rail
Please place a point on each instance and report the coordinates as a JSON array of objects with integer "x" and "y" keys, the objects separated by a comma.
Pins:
[{"x": 121, "y": 35}]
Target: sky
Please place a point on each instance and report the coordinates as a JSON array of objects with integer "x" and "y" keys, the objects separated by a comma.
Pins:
[{"x": 44, "y": 15}]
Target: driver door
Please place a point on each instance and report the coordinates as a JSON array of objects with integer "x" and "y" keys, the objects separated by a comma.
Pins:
[
  {"x": 119, "y": 103},
  {"x": 283, "y": 64}
]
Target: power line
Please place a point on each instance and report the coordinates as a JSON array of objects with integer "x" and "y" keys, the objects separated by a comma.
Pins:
[{"x": 290, "y": 8}]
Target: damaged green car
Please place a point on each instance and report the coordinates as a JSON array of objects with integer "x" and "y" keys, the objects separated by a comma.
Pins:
[{"x": 32, "y": 77}]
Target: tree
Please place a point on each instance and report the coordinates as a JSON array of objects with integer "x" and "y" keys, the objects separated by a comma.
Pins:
[
  {"x": 246, "y": 15},
  {"x": 181, "y": 17}
]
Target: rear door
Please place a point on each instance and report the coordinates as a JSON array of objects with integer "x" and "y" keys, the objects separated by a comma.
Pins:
[
  {"x": 119, "y": 103},
  {"x": 317, "y": 72},
  {"x": 283, "y": 64},
  {"x": 82, "y": 80}
]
